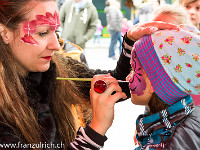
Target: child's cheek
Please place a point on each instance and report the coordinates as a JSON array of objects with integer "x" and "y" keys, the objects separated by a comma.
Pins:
[{"x": 137, "y": 84}]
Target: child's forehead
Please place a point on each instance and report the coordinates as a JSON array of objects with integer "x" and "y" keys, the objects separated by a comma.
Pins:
[{"x": 186, "y": 2}]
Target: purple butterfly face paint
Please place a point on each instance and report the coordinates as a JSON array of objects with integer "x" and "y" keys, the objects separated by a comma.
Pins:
[
  {"x": 137, "y": 83},
  {"x": 31, "y": 26}
]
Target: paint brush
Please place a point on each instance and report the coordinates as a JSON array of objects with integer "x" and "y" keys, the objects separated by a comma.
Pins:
[{"x": 84, "y": 79}]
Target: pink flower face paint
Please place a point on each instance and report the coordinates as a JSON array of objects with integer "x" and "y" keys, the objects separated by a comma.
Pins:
[
  {"x": 31, "y": 26},
  {"x": 49, "y": 19},
  {"x": 137, "y": 83}
]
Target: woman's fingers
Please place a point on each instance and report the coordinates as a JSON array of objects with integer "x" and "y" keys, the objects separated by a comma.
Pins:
[
  {"x": 161, "y": 25},
  {"x": 140, "y": 30},
  {"x": 115, "y": 88},
  {"x": 107, "y": 78},
  {"x": 103, "y": 103},
  {"x": 112, "y": 86}
]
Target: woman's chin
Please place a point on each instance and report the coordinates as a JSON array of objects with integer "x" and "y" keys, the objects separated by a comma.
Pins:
[{"x": 41, "y": 68}]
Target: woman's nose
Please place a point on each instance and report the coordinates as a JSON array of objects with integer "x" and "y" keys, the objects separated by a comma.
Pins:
[{"x": 54, "y": 43}]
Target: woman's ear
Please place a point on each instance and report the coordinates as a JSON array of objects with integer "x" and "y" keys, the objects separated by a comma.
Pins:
[{"x": 4, "y": 32}]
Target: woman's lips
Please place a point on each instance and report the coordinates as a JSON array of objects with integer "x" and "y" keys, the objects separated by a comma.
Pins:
[{"x": 47, "y": 57}]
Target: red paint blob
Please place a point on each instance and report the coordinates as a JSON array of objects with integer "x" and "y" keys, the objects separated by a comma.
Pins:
[{"x": 100, "y": 86}]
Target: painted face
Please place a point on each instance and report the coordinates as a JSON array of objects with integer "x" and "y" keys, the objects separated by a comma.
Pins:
[
  {"x": 193, "y": 9},
  {"x": 137, "y": 83},
  {"x": 143, "y": 99},
  {"x": 30, "y": 27},
  {"x": 37, "y": 41}
]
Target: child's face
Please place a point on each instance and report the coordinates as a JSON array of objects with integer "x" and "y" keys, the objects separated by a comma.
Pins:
[
  {"x": 147, "y": 93},
  {"x": 138, "y": 82},
  {"x": 193, "y": 9}
]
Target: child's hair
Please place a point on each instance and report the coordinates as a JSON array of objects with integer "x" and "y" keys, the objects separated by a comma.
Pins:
[
  {"x": 156, "y": 104},
  {"x": 185, "y": 2},
  {"x": 180, "y": 16}
]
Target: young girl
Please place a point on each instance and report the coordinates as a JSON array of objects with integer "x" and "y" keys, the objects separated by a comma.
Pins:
[
  {"x": 192, "y": 7},
  {"x": 35, "y": 108},
  {"x": 166, "y": 71}
]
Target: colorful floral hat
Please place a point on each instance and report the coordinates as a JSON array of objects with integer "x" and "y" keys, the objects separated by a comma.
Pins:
[{"x": 171, "y": 60}]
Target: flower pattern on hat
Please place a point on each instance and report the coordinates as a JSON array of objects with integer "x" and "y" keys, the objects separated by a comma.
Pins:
[{"x": 179, "y": 54}]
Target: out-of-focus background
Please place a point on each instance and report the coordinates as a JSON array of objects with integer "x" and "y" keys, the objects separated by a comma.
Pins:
[{"x": 120, "y": 135}]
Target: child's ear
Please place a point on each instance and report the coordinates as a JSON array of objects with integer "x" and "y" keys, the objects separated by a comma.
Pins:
[
  {"x": 5, "y": 33},
  {"x": 151, "y": 90},
  {"x": 148, "y": 82}
]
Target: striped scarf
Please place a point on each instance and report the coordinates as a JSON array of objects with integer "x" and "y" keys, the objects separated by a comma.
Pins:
[{"x": 154, "y": 131}]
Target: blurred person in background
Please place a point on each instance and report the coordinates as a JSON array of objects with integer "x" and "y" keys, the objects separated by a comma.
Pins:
[
  {"x": 171, "y": 14},
  {"x": 125, "y": 26},
  {"x": 146, "y": 9},
  {"x": 98, "y": 33},
  {"x": 59, "y": 3},
  {"x": 192, "y": 7},
  {"x": 78, "y": 21},
  {"x": 114, "y": 18}
]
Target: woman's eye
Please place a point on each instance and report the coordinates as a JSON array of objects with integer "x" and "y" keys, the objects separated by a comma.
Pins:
[{"x": 42, "y": 34}]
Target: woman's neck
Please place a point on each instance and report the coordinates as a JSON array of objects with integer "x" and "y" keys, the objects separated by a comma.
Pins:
[{"x": 22, "y": 71}]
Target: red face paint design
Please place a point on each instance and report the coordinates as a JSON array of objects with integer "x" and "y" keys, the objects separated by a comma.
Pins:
[
  {"x": 49, "y": 19},
  {"x": 137, "y": 83},
  {"x": 30, "y": 27}
]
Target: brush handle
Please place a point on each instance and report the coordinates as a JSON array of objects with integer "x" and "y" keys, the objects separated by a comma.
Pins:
[
  {"x": 84, "y": 79},
  {"x": 75, "y": 79}
]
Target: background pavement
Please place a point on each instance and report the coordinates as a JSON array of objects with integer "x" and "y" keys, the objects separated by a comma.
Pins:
[{"x": 120, "y": 135}]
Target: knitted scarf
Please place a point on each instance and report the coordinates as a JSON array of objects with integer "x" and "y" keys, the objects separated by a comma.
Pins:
[{"x": 155, "y": 131}]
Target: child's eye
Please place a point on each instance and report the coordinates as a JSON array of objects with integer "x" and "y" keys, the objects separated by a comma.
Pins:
[
  {"x": 42, "y": 34},
  {"x": 187, "y": 6}
]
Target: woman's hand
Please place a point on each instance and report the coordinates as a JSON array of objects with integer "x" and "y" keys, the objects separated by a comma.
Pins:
[
  {"x": 139, "y": 30},
  {"x": 103, "y": 104}
]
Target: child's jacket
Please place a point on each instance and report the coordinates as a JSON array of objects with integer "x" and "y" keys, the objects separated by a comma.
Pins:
[{"x": 175, "y": 128}]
